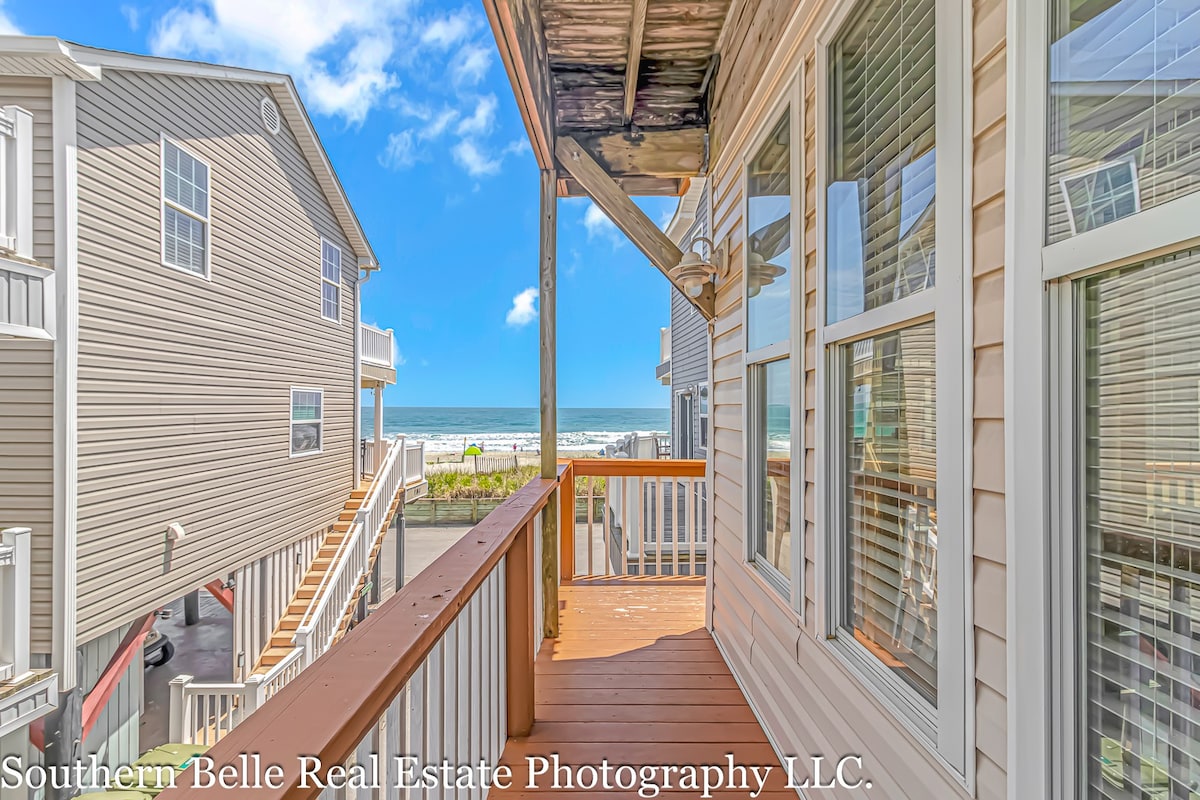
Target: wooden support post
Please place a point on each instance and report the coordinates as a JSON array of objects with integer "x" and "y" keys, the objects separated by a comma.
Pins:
[
  {"x": 377, "y": 460},
  {"x": 547, "y": 278},
  {"x": 518, "y": 609},
  {"x": 633, "y": 64},
  {"x": 624, "y": 213},
  {"x": 566, "y": 522}
]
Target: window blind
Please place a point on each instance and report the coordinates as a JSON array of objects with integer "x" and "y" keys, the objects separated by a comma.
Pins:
[
  {"x": 882, "y": 193},
  {"x": 1141, "y": 532},
  {"x": 1124, "y": 81}
]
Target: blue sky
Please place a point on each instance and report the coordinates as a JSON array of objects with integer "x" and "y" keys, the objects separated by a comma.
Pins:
[{"x": 412, "y": 103}]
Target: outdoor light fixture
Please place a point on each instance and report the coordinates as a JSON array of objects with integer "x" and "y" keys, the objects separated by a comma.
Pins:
[
  {"x": 693, "y": 270},
  {"x": 760, "y": 273}
]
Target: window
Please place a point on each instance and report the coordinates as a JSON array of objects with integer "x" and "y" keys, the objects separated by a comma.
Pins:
[
  {"x": 307, "y": 420},
  {"x": 768, "y": 280},
  {"x": 185, "y": 197},
  {"x": 1140, "y": 534},
  {"x": 1124, "y": 110},
  {"x": 893, "y": 367},
  {"x": 331, "y": 281},
  {"x": 891, "y": 542},
  {"x": 704, "y": 415},
  {"x": 880, "y": 201},
  {"x": 16, "y": 181}
]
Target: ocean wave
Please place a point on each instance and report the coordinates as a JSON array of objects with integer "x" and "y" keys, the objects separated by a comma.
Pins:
[{"x": 525, "y": 441}]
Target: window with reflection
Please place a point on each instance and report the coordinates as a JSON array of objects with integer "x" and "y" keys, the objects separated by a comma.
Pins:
[
  {"x": 1140, "y": 541},
  {"x": 772, "y": 478},
  {"x": 1124, "y": 109},
  {"x": 880, "y": 200},
  {"x": 768, "y": 277},
  {"x": 891, "y": 540},
  {"x": 769, "y": 252}
]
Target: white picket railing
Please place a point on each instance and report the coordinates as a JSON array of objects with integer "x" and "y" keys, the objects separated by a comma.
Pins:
[
  {"x": 414, "y": 463},
  {"x": 377, "y": 346},
  {"x": 14, "y": 602},
  {"x": 339, "y": 585},
  {"x": 202, "y": 713}
]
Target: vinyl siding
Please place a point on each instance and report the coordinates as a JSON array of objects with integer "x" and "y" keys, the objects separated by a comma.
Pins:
[
  {"x": 805, "y": 695},
  {"x": 987, "y": 205},
  {"x": 27, "y": 380},
  {"x": 689, "y": 346},
  {"x": 184, "y": 398}
]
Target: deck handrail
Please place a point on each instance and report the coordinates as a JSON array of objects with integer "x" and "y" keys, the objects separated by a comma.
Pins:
[
  {"x": 14, "y": 601},
  {"x": 377, "y": 346},
  {"x": 352, "y": 686}
]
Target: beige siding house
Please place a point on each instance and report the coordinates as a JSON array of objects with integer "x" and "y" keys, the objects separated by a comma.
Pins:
[
  {"x": 953, "y": 516},
  {"x": 181, "y": 355}
]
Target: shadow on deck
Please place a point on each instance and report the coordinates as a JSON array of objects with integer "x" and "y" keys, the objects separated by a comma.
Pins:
[{"x": 636, "y": 679}]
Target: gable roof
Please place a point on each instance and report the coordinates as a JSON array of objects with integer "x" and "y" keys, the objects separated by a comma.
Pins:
[{"x": 50, "y": 56}]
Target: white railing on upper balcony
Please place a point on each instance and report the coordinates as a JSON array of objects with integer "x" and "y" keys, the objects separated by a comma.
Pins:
[
  {"x": 377, "y": 347},
  {"x": 14, "y": 602}
]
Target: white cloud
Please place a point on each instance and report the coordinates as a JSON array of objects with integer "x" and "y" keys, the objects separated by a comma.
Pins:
[
  {"x": 339, "y": 53},
  {"x": 133, "y": 16},
  {"x": 599, "y": 226},
  {"x": 481, "y": 120},
  {"x": 400, "y": 152},
  {"x": 7, "y": 26},
  {"x": 476, "y": 161},
  {"x": 471, "y": 64},
  {"x": 522, "y": 311},
  {"x": 445, "y": 32}
]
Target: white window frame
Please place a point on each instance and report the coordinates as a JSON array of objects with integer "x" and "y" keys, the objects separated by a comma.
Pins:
[
  {"x": 206, "y": 220},
  {"x": 789, "y": 591},
  {"x": 326, "y": 282},
  {"x": 703, "y": 410},
  {"x": 16, "y": 181},
  {"x": 1042, "y": 411},
  {"x": 947, "y": 730},
  {"x": 293, "y": 422}
]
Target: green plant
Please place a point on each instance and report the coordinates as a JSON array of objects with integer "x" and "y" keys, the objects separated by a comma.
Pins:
[{"x": 483, "y": 485}]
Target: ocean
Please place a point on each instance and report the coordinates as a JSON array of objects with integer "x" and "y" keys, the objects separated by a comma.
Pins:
[{"x": 498, "y": 429}]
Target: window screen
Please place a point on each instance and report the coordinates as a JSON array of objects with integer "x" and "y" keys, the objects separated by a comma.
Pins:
[
  {"x": 307, "y": 420},
  {"x": 1141, "y": 530},
  {"x": 881, "y": 195}
]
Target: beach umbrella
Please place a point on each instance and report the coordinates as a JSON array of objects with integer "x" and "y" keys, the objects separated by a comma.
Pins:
[{"x": 474, "y": 450}]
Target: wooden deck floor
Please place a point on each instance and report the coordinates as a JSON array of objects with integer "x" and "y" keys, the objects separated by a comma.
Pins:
[{"x": 636, "y": 679}]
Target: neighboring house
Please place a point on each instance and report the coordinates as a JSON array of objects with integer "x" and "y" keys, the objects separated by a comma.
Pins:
[
  {"x": 686, "y": 365},
  {"x": 180, "y": 276}
]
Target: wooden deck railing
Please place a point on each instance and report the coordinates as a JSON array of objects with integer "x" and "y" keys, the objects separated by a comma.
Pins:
[
  {"x": 397, "y": 685},
  {"x": 444, "y": 669},
  {"x": 635, "y": 517}
]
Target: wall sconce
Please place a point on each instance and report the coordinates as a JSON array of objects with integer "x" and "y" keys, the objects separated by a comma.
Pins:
[{"x": 693, "y": 270}]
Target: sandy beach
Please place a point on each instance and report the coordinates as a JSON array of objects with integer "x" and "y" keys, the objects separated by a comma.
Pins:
[{"x": 524, "y": 457}]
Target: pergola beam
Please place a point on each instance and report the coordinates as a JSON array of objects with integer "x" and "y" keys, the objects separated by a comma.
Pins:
[
  {"x": 633, "y": 64},
  {"x": 625, "y": 214}
]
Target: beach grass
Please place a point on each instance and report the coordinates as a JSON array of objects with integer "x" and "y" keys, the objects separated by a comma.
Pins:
[{"x": 494, "y": 485}]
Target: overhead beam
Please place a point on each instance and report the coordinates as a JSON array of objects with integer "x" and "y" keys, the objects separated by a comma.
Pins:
[
  {"x": 521, "y": 39},
  {"x": 633, "y": 65},
  {"x": 625, "y": 214}
]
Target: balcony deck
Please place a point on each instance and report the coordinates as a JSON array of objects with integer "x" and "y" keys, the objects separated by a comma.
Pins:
[{"x": 636, "y": 679}]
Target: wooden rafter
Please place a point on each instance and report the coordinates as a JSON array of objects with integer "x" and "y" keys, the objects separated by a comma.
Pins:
[
  {"x": 625, "y": 214},
  {"x": 637, "y": 32}
]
